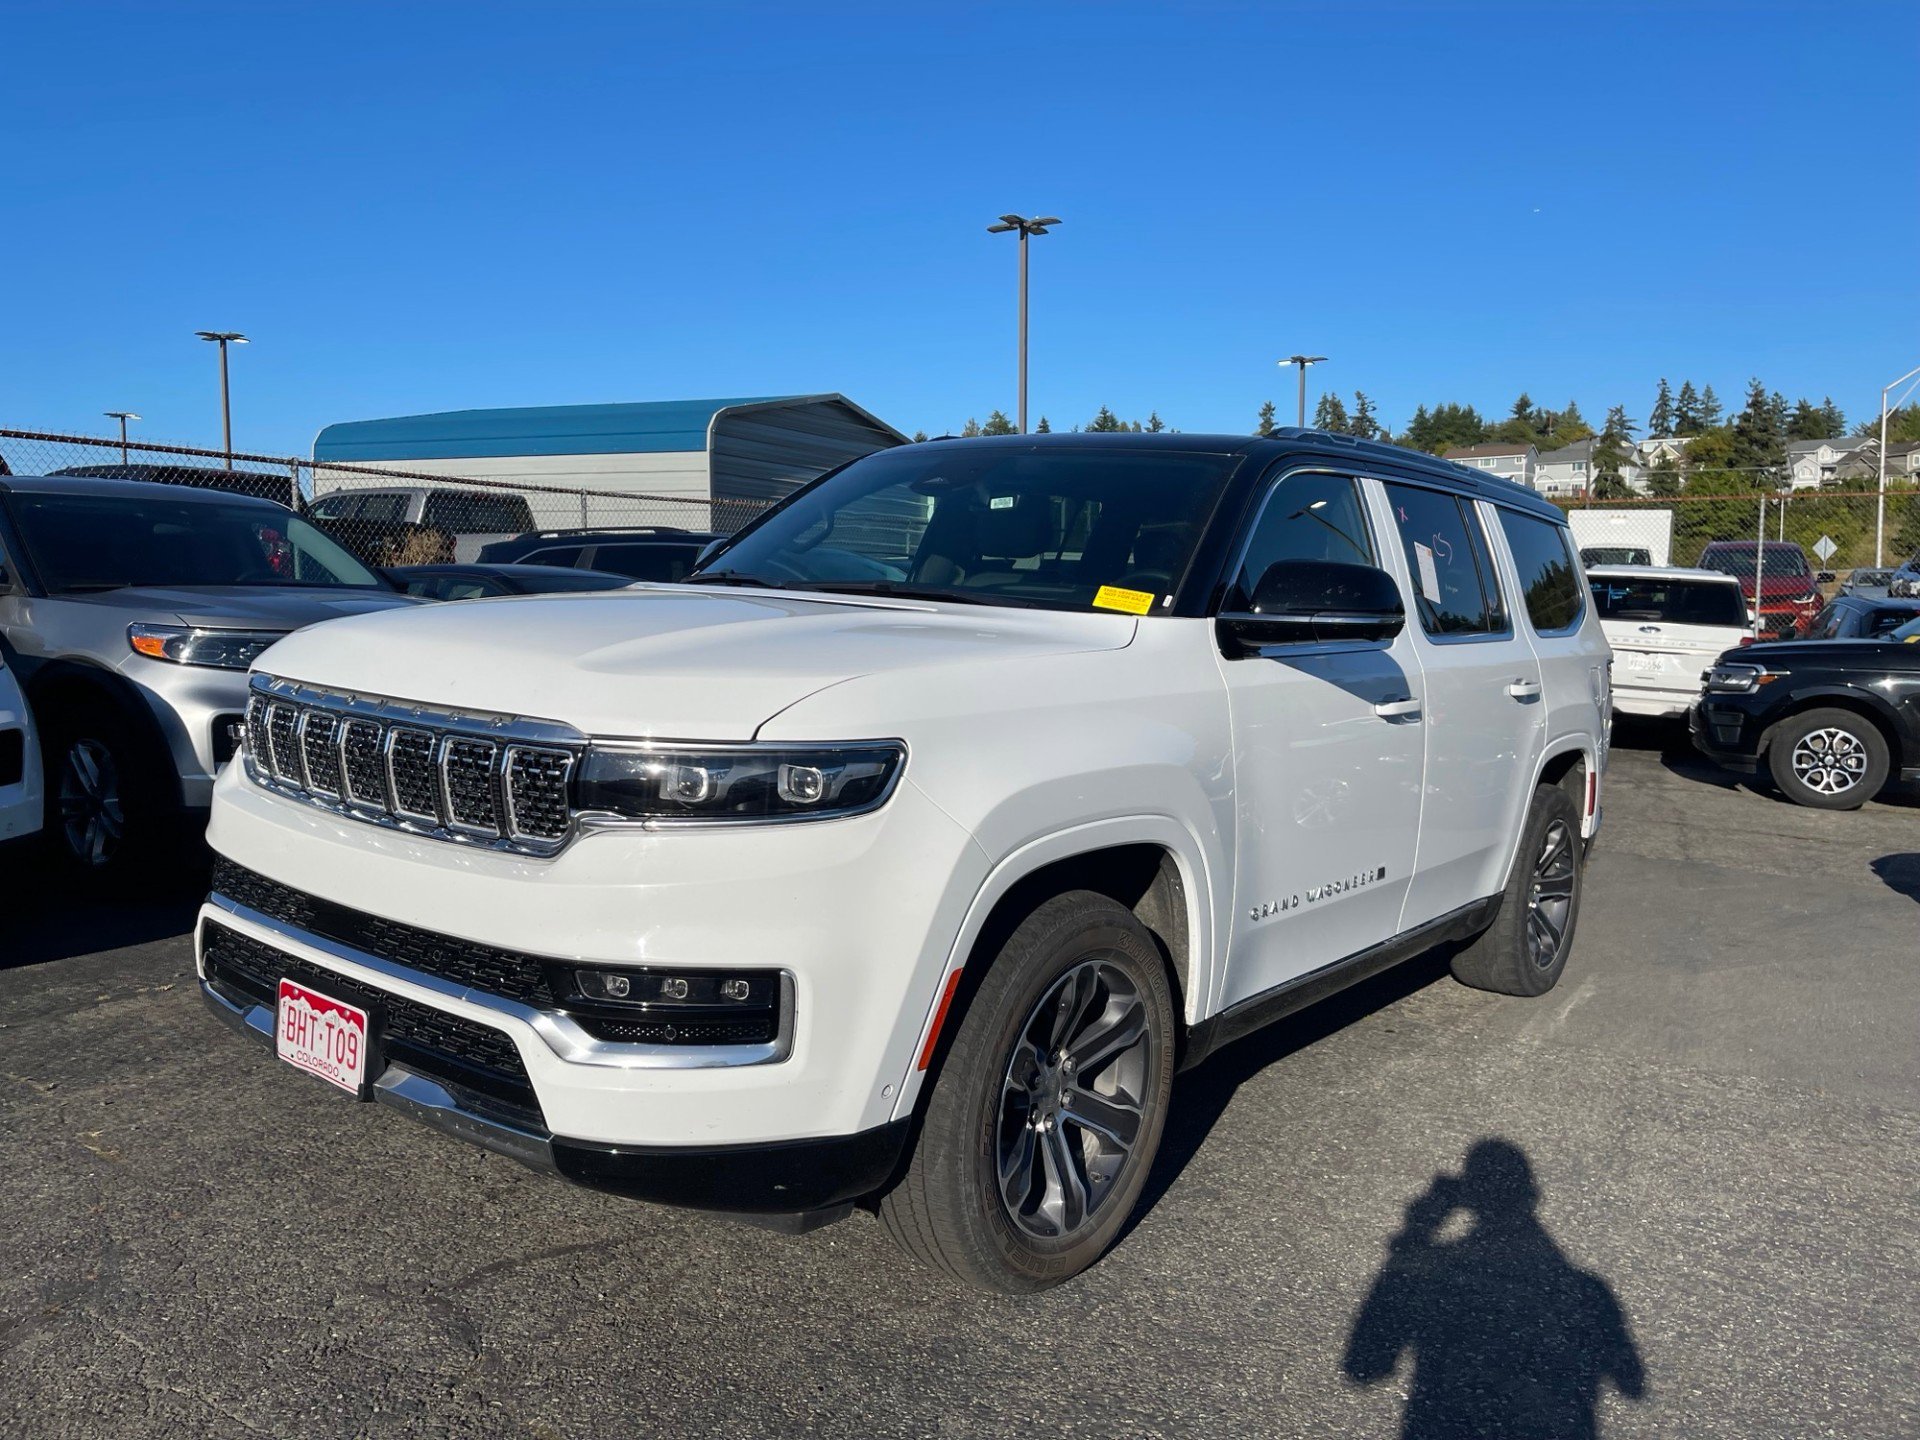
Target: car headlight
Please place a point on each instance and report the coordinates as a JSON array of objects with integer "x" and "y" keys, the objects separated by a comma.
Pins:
[
  {"x": 189, "y": 645},
  {"x": 1739, "y": 679},
  {"x": 736, "y": 784}
]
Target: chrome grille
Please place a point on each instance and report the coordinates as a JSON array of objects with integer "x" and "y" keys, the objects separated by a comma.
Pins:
[{"x": 472, "y": 778}]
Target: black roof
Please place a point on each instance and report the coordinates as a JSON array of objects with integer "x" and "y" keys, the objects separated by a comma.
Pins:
[{"x": 1392, "y": 460}]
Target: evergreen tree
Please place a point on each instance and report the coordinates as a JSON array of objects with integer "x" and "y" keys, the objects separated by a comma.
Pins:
[
  {"x": 1806, "y": 422},
  {"x": 919, "y": 437},
  {"x": 1364, "y": 422},
  {"x": 1663, "y": 478},
  {"x": 1105, "y": 422},
  {"x": 1686, "y": 410},
  {"x": 1569, "y": 428},
  {"x": 998, "y": 424},
  {"x": 970, "y": 430},
  {"x": 1660, "y": 418},
  {"x": 1778, "y": 413},
  {"x": 1043, "y": 428},
  {"x": 1154, "y": 423},
  {"x": 1832, "y": 418},
  {"x": 1710, "y": 409},
  {"x": 1757, "y": 452},
  {"x": 1133, "y": 426},
  {"x": 1266, "y": 425},
  {"x": 1330, "y": 414},
  {"x": 1610, "y": 453}
]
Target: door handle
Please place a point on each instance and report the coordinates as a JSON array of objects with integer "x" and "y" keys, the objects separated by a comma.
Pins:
[
  {"x": 1524, "y": 689},
  {"x": 1398, "y": 709}
]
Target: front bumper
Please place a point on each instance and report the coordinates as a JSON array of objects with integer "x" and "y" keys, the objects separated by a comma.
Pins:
[
  {"x": 1726, "y": 735},
  {"x": 783, "y": 1178}
]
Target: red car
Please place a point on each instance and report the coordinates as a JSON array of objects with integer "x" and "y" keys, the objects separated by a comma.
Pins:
[{"x": 1789, "y": 592}]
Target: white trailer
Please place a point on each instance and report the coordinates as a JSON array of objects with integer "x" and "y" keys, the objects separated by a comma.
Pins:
[
  {"x": 716, "y": 461},
  {"x": 1632, "y": 536}
]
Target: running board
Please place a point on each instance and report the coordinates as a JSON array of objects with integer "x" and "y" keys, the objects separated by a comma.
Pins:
[{"x": 1258, "y": 1011}]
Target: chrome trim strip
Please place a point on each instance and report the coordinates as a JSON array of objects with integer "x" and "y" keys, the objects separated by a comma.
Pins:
[
  {"x": 562, "y": 1035},
  {"x": 415, "y": 1096},
  {"x": 380, "y": 707}
]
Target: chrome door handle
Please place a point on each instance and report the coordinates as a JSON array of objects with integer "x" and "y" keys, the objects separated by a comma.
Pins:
[
  {"x": 1524, "y": 689},
  {"x": 1398, "y": 709}
]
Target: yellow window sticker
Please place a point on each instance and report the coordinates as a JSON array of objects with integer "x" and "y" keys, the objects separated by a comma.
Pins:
[{"x": 1134, "y": 602}]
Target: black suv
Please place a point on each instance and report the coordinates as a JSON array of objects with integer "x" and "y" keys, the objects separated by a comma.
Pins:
[
  {"x": 652, "y": 552},
  {"x": 1831, "y": 719}
]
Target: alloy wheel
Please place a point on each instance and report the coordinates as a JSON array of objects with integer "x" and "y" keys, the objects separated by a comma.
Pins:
[
  {"x": 1829, "y": 761},
  {"x": 1550, "y": 901},
  {"x": 93, "y": 818},
  {"x": 1072, "y": 1102}
]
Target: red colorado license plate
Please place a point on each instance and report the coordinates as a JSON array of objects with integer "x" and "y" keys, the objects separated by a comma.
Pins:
[{"x": 323, "y": 1036}]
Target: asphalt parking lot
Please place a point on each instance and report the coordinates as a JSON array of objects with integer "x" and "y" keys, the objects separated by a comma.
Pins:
[{"x": 1718, "y": 1110}]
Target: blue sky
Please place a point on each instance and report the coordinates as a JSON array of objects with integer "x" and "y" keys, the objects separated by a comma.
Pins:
[{"x": 420, "y": 206}]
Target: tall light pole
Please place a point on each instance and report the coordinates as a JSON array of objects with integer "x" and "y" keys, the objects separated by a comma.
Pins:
[
  {"x": 122, "y": 416},
  {"x": 1880, "y": 519},
  {"x": 1303, "y": 361},
  {"x": 1026, "y": 227},
  {"x": 224, "y": 338}
]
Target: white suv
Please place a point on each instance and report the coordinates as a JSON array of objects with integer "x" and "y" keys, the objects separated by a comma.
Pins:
[
  {"x": 1666, "y": 627},
  {"x": 901, "y": 856}
]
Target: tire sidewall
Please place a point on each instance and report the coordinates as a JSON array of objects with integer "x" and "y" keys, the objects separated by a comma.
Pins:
[
  {"x": 110, "y": 730},
  {"x": 1550, "y": 803}
]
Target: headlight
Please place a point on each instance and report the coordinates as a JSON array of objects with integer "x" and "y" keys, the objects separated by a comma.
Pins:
[
  {"x": 185, "y": 645},
  {"x": 1739, "y": 679},
  {"x": 737, "y": 784}
]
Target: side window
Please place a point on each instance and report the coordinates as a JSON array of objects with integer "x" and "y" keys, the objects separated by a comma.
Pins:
[
  {"x": 1309, "y": 515},
  {"x": 668, "y": 563},
  {"x": 1826, "y": 625},
  {"x": 568, "y": 555},
  {"x": 1453, "y": 583},
  {"x": 1549, "y": 582}
]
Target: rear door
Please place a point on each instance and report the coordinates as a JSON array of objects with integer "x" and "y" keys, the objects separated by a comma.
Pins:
[
  {"x": 1665, "y": 632},
  {"x": 1485, "y": 708}
]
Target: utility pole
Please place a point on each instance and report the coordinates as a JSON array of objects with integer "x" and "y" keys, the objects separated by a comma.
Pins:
[
  {"x": 1025, "y": 227},
  {"x": 122, "y": 416},
  {"x": 1303, "y": 361},
  {"x": 224, "y": 338}
]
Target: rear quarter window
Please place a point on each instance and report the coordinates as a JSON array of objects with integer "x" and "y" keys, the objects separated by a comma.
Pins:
[{"x": 1549, "y": 580}]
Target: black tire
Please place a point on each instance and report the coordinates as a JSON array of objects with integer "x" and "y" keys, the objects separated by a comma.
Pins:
[
  {"x": 102, "y": 815},
  {"x": 1829, "y": 759},
  {"x": 1525, "y": 950},
  {"x": 949, "y": 1210}
]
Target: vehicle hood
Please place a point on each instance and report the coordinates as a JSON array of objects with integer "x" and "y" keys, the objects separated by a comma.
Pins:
[
  {"x": 1866, "y": 656},
  {"x": 706, "y": 663},
  {"x": 241, "y": 607}
]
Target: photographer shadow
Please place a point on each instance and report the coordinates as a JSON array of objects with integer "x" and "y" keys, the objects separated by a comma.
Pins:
[{"x": 1505, "y": 1336}]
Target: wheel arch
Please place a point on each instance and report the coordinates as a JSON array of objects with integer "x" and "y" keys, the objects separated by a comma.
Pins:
[
  {"x": 1837, "y": 697},
  {"x": 58, "y": 687},
  {"x": 1566, "y": 762}
]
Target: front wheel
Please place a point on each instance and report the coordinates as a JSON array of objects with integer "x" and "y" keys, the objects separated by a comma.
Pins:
[
  {"x": 1047, "y": 1114},
  {"x": 1830, "y": 759},
  {"x": 97, "y": 794}
]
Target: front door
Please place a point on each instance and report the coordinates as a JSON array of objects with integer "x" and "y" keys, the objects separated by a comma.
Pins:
[
  {"x": 1328, "y": 755},
  {"x": 1486, "y": 715}
]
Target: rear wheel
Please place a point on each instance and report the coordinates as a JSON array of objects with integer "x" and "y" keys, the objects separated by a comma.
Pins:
[
  {"x": 1525, "y": 950},
  {"x": 1830, "y": 759},
  {"x": 1049, "y": 1109}
]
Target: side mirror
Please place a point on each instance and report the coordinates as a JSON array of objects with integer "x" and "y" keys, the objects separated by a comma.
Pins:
[
  {"x": 1313, "y": 601},
  {"x": 1825, "y": 577},
  {"x": 707, "y": 552}
]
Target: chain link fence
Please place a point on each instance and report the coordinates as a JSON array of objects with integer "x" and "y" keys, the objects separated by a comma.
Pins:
[{"x": 384, "y": 516}]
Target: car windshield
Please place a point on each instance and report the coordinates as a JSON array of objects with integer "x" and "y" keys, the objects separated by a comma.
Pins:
[
  {"x": 1062, "y": 529},
  {"x": 1614, "y": 555},
  {"x": 1908, "y": 633},
  {"x": 1782, "y": 559},
  {"x": 1678, "y": 602},
  {"x": 83, "y": 543}
]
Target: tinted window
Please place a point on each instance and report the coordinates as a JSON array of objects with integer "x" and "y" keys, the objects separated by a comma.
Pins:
[
  {"x": 361, "y": 507},
  {"x": 453, "y": 587},
  {"x": 1681, "y": 602},
  {"x": 1307, "y": 516},
  {"x": 647, "y": 562},
  {"x": 1782, "y": 559},
  {"x": 1884, "y": 622},
  {"x": 1061, "y": 528},
  {"x": 1549, "y": 584},
  {"x": 1829, "y": 624},
  {"x": 469, "y": 514},
  {"x": 554, "y": 555},
  {"x": 1453, "y": 585},
  {"x": 97, "y": 542}
]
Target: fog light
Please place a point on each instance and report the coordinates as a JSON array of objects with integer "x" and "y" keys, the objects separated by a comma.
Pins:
[{"x": 802, "y": 784}]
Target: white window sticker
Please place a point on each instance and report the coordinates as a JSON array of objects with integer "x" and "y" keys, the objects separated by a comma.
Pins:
[{"x": 1429, "y": 577}]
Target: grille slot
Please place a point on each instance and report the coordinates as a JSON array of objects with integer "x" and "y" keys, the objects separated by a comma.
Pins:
[
  {"x": 446, "y": 1047},
  {"x": 457, "y": 777}
]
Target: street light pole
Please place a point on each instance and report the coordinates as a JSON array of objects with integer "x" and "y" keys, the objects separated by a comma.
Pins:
[
  {"x": 1880, "y": 519},
  {"x": 122, "y": 416},
  {"x": 1025, "y": 227},
  {"x": 224, "y": 338},
  {"x": 1303, "y": 361}
]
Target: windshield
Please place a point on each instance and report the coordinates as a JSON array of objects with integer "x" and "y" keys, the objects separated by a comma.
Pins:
[
  {"x": 1787, "y": 559},
  {"x": 1908, "y": 633},
  {"x": 82, "y": 543},
  {"x": 1063, "y": 529},
  {"x": 1678, "y": 602}
]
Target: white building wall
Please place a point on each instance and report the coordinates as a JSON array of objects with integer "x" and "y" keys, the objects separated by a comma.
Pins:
[{"x": 593, "y": 489}]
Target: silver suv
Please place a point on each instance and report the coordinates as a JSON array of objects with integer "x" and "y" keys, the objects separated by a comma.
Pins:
[{"x": 130, "y": 612}]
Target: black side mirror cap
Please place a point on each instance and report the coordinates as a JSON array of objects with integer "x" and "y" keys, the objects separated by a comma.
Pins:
[
  {"x": 1825, "y": 577},
  {"x": 707, "y": 552},
  {"x": 1314, "y": 602}
]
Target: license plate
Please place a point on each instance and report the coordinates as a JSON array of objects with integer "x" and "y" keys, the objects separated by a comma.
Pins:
[
  {"x": 322, "y": 1036},
  {"x": 1643, "y": 664}
]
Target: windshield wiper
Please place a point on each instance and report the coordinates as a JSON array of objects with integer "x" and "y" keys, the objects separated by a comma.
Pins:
[
  {"x": 894, "y": 589},
  {"x": 731, "y": 577}
]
